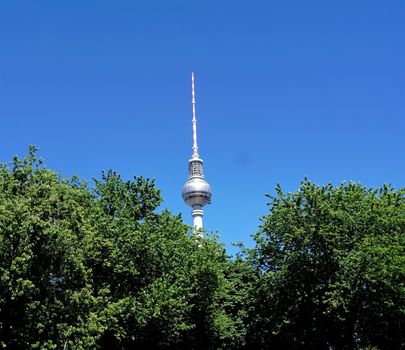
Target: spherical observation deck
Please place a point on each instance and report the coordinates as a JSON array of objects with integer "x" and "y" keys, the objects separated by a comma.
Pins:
[{"x": 197, "y": 192}]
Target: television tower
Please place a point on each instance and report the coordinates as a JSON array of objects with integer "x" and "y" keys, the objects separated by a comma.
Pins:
[{"x": 196, "y": 191}]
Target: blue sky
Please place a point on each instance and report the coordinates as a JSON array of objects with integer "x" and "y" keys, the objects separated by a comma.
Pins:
[{"x": 285, "y": 89}]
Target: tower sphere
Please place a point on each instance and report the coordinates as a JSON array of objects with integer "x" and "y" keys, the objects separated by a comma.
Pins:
[{"x": 197, "y": 191}]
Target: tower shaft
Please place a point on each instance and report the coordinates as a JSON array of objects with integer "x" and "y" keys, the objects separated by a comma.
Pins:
[{"x": 197, "y": 215}]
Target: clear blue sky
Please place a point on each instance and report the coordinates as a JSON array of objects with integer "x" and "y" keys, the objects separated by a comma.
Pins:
[{"x": 285, "y": 89}]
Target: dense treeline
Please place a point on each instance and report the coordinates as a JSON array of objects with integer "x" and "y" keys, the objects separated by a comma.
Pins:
[{"x": 99, "y": 268}]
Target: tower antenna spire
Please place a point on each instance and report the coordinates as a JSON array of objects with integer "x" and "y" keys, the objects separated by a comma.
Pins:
[{"x": 194, "y": 121}]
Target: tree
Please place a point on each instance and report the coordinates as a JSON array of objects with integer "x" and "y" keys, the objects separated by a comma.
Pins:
[
  {"x": 165, "y": 289},
  {"x": 332, "y": 269},
  {"x": 102, "y": 268},
  {"x": 45, "y": 235},
  {"x": 99, "y": 268}
]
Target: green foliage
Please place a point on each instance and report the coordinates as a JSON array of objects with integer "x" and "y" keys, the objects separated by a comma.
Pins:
[
  {"x": 99, "y": 268},
  {"x": 332, "y": 268},
  {"x": 45, "y": 236},
  {"x": 86, "y": 268}
]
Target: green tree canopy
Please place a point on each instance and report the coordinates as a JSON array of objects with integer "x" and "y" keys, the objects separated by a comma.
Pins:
[
  {"x": 332, "y": 270},
  {"x": 102, "y": 267},
  {"x": 89, "y": 268}
]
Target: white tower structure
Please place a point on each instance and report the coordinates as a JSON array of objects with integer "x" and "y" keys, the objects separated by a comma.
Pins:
[{"x": 196, "y": 191}]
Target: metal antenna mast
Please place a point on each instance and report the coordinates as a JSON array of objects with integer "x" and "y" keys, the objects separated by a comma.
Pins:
[{"x": 194, "y": 121}]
